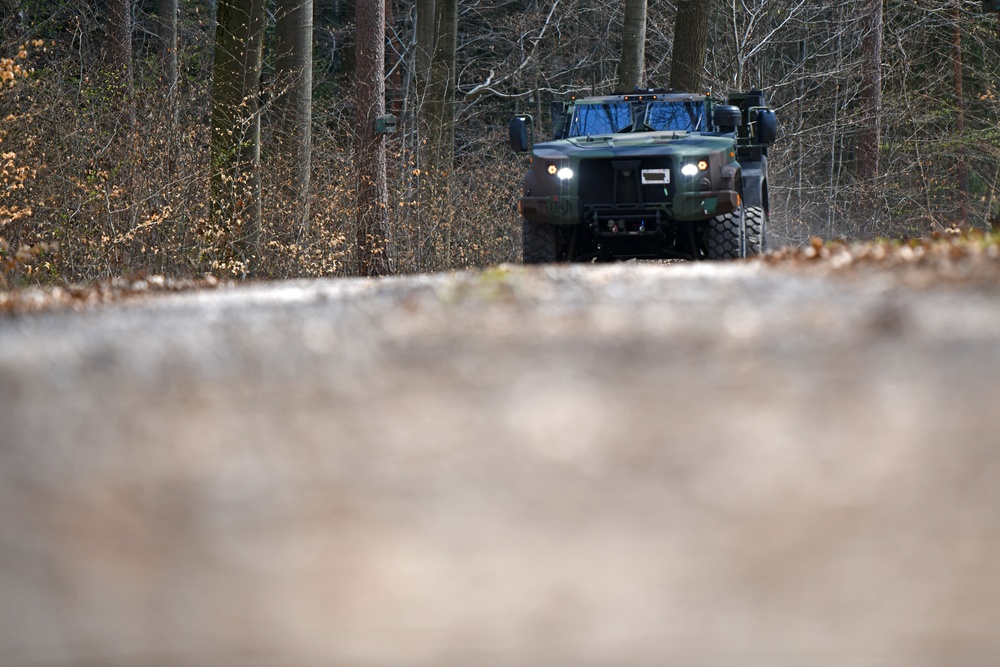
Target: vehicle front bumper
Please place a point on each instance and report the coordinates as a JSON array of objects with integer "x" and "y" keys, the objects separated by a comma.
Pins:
[{"x": 568, "y": 210}]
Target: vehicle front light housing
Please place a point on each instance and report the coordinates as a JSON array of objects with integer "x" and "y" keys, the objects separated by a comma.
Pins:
[
  {"x": 564, "y": 174},
  {"x": 693, "y": 168}
]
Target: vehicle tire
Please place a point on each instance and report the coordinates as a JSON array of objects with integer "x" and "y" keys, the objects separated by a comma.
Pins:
[
  {"x": 755, "y": 221},
  {"x": 725, "y": 236},
  {"x": 539, "y": 242}
]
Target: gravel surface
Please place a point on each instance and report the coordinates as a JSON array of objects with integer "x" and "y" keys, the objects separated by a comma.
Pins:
[{"x": 628, "y": 464}]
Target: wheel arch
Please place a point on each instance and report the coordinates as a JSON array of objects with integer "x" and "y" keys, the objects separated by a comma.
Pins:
[{"x": 755, "y": 183}]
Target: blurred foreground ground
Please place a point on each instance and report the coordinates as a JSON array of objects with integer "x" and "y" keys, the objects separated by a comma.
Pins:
[{"x": 686, "y": 464}]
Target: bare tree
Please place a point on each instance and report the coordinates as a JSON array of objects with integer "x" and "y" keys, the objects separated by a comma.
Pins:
[
  {"x": 120, "y": 80},
  {"x": 754, "y": 30},
  {"x": 120, "y": 39},
  {"x": 369, "y": 150},
  {"x": 438, "y": 103},
  {"x": 632, "y": 65},
  {"x": 436, "y": 78},
  {"x": 167, "y": 29},
  {"x": 236, "y": 205},
  {"x": 424, "y": 37},
  {"x": 870, "y": 136},
  {"x": 293, "y": 105},
  {"x": 961, "y": 170},
  {"x": 690, "y": 44}
]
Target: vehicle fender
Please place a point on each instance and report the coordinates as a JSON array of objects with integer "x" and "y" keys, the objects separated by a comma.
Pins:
[
  {"x": 531, "y": 183},
  {"x": 754, "y": 178},
  {"x": 729, "y": 172}
]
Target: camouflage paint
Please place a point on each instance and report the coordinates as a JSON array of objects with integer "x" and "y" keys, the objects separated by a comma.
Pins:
[{"x": 549, "y": 199}]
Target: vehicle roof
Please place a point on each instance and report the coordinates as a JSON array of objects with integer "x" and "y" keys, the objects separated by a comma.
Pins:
[{"x": 642, "y": 95}]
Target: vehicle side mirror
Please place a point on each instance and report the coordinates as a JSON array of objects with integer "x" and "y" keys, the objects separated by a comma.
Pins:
[
  {"x": 766, "y": 126},
  {"x": 727, "y": 118},
  {"x": 521, "y": 133}
]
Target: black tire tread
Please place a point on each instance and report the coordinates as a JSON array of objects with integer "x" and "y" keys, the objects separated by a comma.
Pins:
[
  {"x": 724, "y": 236},
  {"x": 756, "y": 225},
  {"x": 538, "y": 242}
]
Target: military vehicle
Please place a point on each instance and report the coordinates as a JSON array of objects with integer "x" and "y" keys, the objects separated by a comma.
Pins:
[{"x": 647, "y": 174}]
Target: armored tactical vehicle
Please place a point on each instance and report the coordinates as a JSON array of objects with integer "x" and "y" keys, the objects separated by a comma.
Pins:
[{"x": 648, "y": 174}]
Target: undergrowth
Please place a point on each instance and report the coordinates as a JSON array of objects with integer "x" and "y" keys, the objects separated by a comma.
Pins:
[{"x": 90, "y": 192}]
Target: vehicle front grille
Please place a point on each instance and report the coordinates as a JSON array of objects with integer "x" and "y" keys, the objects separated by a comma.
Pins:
[{"x": 613, "y": 181}]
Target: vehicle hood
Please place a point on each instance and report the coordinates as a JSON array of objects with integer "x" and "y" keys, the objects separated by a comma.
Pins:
[{"x": 631, "y": 144}]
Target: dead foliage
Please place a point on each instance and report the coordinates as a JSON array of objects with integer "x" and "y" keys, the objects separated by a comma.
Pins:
[
  {"x": 950, "y": 257},
  {"x": 37, "y": 299}
]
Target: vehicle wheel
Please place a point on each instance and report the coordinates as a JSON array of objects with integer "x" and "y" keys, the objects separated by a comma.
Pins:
[
  {"x": 725, "y": 236},
  {"x": 539, "y": 242},
  {"x": 756, "y": 226}
]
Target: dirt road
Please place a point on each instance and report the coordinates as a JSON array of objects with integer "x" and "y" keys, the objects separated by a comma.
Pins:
[{"x": 686, "y": 464}]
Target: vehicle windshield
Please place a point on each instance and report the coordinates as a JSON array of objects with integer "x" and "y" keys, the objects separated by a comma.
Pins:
[
  {"x": 591, "y": 119},
  {"x": 679, "y": 116},
  {"x": 614, "y": 117}
]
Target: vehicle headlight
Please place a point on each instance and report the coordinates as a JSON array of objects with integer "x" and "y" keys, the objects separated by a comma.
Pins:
[
  {"x": 559, "y": 169},
  {"x": 692, "y": 168}
]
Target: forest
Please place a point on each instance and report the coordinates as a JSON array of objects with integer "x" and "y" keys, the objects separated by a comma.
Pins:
[{"x": 236, "y": 137}]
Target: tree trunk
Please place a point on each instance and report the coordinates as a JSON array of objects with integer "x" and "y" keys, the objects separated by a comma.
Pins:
[
  {"x": 632, "y": 64},
  {"x": 436, "y": 111},
  {"x": 425, "y": 43},
  {"x": 120, "y": 81},
  {"x": 293, "y": 106},
  {"x": 168, "y": 46},
  {"x": 369, "y": 153},
  {"x": 871, "y": 94},
  {"x": 833, "y": 130},
  {"x": 870, "y": 136},
  {"x": 690, "y": 44},
  {"x": 168, "y": 58},
  {"x": 120, "y": 39},
  {"x": 961, "y": 171},
  {"x": 236, "y": 134},
  {"x": 120, "y": 120},
  {"x": 440, "y": 98}
]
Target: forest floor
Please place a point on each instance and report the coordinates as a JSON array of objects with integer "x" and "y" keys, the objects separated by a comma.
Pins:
[{"x": 788, "y": 461}]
